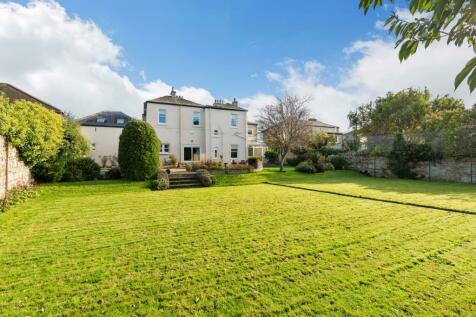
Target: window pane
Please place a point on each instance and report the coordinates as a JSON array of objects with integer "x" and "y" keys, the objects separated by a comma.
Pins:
[
  {"x": 196, "y": 118},
  {"x": 162, "y": 116},
  {"x": 187, "y": 154},
  {"x": 196, "y": 154},
  {"x": 234, "y": 151},
  {"x": 234, "y": 120}
]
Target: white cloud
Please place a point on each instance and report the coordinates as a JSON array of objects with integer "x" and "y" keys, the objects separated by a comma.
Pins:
[
  {"x": 70, "y": 62},
  {"x": 375, "y": 71},
  {"x": 254, "y": 103}
]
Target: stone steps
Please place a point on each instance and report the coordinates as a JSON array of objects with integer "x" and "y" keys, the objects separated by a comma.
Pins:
[{"x": 184, "y": 180}]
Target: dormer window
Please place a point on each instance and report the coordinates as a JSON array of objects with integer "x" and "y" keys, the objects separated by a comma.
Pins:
[
  {"x": 100, "y": 120},
  {"x": 120, "y": 121}
]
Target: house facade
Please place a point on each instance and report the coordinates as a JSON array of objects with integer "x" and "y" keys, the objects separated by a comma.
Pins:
[
  {"x": 193, "y": 132},
  {"x": 256, "y": 147},
  {"x": 103, "y": 130},
  {"x": 319, "y": 126}
]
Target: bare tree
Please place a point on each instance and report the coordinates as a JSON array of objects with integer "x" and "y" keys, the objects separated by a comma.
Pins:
[{"x": 285, "y": 125}]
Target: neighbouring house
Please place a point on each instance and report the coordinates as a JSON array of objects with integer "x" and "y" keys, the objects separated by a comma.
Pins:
[
  {"x": 256, "y": 147},
  {"x": 103, "y": 130},
  {"x": 13, "y": 93},
  {"x": 194, "y": 132},
  {"x": 319, "y": 126}
]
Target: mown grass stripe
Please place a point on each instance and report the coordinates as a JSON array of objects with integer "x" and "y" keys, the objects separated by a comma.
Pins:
[{"x": 467, "y": 212}]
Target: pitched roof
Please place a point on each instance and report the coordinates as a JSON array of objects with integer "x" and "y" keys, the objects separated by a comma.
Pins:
[
  {"x": 107, "y": 119},
  {"x": 173, "y": 99},
  {"x": 13, "y": 93},
  {"x": 316, "y": 123}
]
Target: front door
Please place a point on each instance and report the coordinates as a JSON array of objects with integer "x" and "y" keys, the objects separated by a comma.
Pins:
[{"x": 191, "y": 153}]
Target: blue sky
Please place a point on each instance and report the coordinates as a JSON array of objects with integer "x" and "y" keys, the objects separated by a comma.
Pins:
[
  {"x": 225, "y": 46},
  {"x": 89, "y": 56}
]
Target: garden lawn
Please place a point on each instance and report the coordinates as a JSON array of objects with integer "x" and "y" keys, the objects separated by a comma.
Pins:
[{"x": 117, "y": 248}]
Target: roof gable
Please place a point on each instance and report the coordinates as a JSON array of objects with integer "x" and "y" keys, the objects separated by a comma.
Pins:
[{"x": 13, "y": 93}]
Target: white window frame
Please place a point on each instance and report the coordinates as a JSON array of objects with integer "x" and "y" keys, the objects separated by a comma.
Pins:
[
  {"x": 101, "y": 120},
  {"x": 120, "y": 121},
  {"x": 162, "y": 148},
  {"x": 158, "y": 116},
  {"x": 234, "y": 116},
  {"x": 199, "y": 118},
  {"x": 233, "y": 147}
]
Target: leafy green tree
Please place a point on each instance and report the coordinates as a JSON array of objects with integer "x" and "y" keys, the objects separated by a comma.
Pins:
[
  {"x": 452, "y": 20},
  {"x": 319, "y": 140},
  {"x": 35, "y": 131},
  {"x": 138, "y": 151},
  {"x": 73, "y": 147},
  {"x": 399, "y": 112}
]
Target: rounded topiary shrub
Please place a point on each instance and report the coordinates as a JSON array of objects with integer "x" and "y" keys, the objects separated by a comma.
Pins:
[
  {"x": 138, "y": 150},
  {"x": 160, "y": 181},
  {"x": 305, "y": 167}
]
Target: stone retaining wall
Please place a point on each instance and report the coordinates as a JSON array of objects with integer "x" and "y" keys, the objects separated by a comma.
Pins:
[
  {"x": 13, "y": 172},
  {"x": 455, "y": 170}
]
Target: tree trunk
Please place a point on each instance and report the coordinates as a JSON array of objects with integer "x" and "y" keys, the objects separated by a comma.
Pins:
[{"x": 281, "y": 165}]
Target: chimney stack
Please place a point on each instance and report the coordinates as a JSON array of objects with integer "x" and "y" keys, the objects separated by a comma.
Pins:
[
  {"x": 173, "y": 93},
  {"x": 235, "y": 102}
]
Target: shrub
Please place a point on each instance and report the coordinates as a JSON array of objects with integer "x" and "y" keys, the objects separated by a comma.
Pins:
[
  {"x": 160, "y": 181},
  {"x": 82, "y": 169},
  {"x": 198, "y": 166},
  {"x": 271, "y": 156},
  {"x": 17, "y": 195},
  {"x": 114, "y": 173},
  {"x": 205, "y": 177},
  {"x": 378, "y": 150},
  {"x": 317, "y": 160},
  {"x": 305, "y": 167},
  {"x": 173, "y": 159},
  {"x": 329, "y": 167},
  {"x": 35, "y": 131},
  {"x": 339, "y": 161},
  {"x": 138, "y": 150},
  {"x": 253, "y": 160},
  {"x": 293, "y": 161},
  {"x": 216, "y": 165},
  {"x": 74, "y": 146}
]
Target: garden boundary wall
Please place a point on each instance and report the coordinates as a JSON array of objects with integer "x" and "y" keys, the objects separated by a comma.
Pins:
[{"x": 13, "y": 172}]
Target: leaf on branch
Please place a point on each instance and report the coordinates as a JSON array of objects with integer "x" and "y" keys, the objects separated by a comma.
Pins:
[{"x": 470, "y": 67}]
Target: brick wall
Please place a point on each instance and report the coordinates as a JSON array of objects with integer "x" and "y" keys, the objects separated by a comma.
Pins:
[
  {"x": 18, "y": 173},
  {"x": 455, "y": 170}
]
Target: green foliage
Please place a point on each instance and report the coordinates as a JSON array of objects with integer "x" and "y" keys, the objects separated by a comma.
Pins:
[
  {"x": 160, "y": 181},
  {"x": 173, "y": 159},
  {"x": 452, "y": 20},
  {"x": 271, "y": 156},
  {"x": 114, "y": 173},
  {"x": 206, "y": 179},
  {"x": 329, "y": 167},
  {"x": 319, "y": 140},
  {"x": 378, "y": 151},
  {"x": 405, "y": 154},
  {"x": 138, "y": 150},
  {"x": 339, "y": 162},
  {"x": 16, "y": 196},
  {"x": 81, "y": 169},
  {"x": 73, "y": 146},
  {"x": 306, "y": 167},
  {"x": 253, "y": 160},
  {"x": 35, "y": 131},
  {"x": 403, "y": 111}
]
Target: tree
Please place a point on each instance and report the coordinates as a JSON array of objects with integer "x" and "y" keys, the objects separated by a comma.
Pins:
[
  {"x": 319, "y": 140},
  {"x": 73, "y": 147},
  {"x": 138, "y": 150},
  {"x": 454, "y": 20},
  {"x": 400, "y": 112},
  {"x": 285, "y": 125},
  {"x": 35, "y": 131}
]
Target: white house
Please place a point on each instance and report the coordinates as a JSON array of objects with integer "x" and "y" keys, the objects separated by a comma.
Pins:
[
  {"x": 103, "y": 130},
  {"x": 194, "y": 132}
]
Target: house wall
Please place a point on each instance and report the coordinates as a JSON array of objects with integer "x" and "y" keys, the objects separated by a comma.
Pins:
[
  {"x": 253, "y": 138},
  {"x": 18, "y": 173},
  {"x": 106, "y": 140},
  {"x": 179, "y": 131}
]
